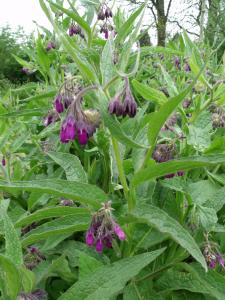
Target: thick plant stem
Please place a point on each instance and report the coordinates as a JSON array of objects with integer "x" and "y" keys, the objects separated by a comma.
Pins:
[{"x": 120, "y": 167}]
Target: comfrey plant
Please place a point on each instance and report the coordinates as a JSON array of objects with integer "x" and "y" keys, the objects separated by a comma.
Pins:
[
  {"x": 130, "y": 124},
  {"x": 103, "y": 229}
]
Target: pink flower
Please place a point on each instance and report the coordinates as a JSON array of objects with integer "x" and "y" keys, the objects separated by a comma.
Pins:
[
  {"x": 119, "y": 232},
  {"x": 89, "y": 238}
]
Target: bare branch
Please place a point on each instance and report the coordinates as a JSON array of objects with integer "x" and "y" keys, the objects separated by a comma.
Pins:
[
  {"x": 168, "y": 8},
  {"x": 181, "y": 27}
]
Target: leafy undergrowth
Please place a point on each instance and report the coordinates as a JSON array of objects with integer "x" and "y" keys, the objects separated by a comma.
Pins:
[{"x": 112, "y": 175}]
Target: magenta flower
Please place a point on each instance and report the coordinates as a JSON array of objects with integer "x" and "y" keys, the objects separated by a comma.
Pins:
[
  {"x": 68, "y": 130},
  {"x": 103, "y": 229},
  {"x": 3, "y": 161},
  {"x": 116, "y": 106},
  {"x": 89, "y": 238},
  {"x": 119, "y": 232},
  {"x": 99, "y": 246},
  {"x": 50, "y": 46},
  {"x": 58, "y": 104}
]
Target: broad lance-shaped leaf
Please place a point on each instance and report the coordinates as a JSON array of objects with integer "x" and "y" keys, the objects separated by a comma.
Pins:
[
  {"x": 13, "y": 249},
  {"x": 149, "y": 93},
  {"x": 109, "y": 280},
  {"x": 159, "y": 219},
  {"x": 159, "y": 118},
  {"x": 84, "y": 67},
  {"x": 71, "y": 165},
  {"x": 75, "y": 17},
  {"x": 82, "y": 192},
  {"x": 128, "y": 25},
  {"x": 65, "y": 225},
  {"x": 173, "y": 166},
  {"x": 106, "y": 65},
  {"x": 50, "y": 212},
  {"x": 10, "y": 277}
]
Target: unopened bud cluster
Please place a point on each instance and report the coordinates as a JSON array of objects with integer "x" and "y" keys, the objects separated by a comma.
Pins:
[
  {"x": 75, "y": 29},
  {"x": 33, "y": 257},
  {"x": 105, "y": 14},
  {"x": 103, "y": 229},
  {"x": 163, "y": 153},
  {"x": 123, "y": 104},
  {"x": 212, "y": 255}
]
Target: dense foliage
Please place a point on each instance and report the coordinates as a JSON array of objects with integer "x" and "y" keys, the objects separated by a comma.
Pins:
[{"x": 112, "y": 173}]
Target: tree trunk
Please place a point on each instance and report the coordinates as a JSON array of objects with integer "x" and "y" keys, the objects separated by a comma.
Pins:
[
  {"x": 161, "y": 22},
  {"x": 213, "y": 13}
]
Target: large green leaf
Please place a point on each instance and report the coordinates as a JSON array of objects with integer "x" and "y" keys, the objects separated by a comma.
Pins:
[
  {"x": 50, "y": 212},
  {"x": 71, "y": 165},
  {"x": 149, "y": 93},
  {"x": 10, "y": 277},
  {"x": 13, "y": 249},
  {"x": 128, "y": 25},
  {"x": 173, "y": 166},
  {"x": 159, "y": 219},
  {"x": 40, "y": 96},
  {"x": 82, "y": 192},
  {"x": 199, "y": 132},
  {"x": 68, "y": 44},
  {"x": 107, "y": 65},
  {"x": 61, "y": 226},
  {"x": 115, "y": 128},
  {"x": 108, "y": 280},
  {"x": 73, "y": 15},
  {"x": 158, "y": 118}
]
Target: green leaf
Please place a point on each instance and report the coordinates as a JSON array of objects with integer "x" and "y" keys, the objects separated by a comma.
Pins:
[
  {"x": 115, "y": 128},
  {"x": 199, "y": 132},
  {"x": 107, "y": 281},
  {"x": 10, "y": 277},
  {"x": 24, "y": 113},
  {"x": 82, "y": 192},
  {"x": 201, "y": 191},
  {"x": 71, "y": 165},
  {"x": 50, "y": 212},
  {"x": 64, "y": 225},
  {"x": 170, "y": 82},
  {"x": 28, "y": 279},
  {"x": 127, "y": 27},
  {"x": 68, "y": 44},
  {"x": 159, "y": 118},
  {"x": 207, "y": 216},
  {"x": 73, "y": 15},
  {"x": 40, "y": 96},
  {"x": 159, "y": 219},
  {"x": 149, "y": 93},
  {"x": 13, "y": 249},
  {"x": 87, "y": 265},
  {"x": 106, "y": 65},
  {"x": 217, "y": 200},
  {"x": 173, "y": 166}
]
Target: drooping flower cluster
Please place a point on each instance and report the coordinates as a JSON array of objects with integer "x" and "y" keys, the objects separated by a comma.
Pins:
[
  {"x": 103, "y": 229},
  {"x": 105, "y": 14},
  {"x": 75, "y": 29},
  {"x": 33, "y": 257},
  {"x": 170, "y": 123},
  {"x": 163, "y": 153},
  {"x": 35, "y": 295},
  {"x": 177, "y": 63},
  {"x": 212, "y": 255},
  {"x": 218, "y": 116},
  {"x": 79, "y": 124},
  {"x": 62, "y": 101},
  {"x": 123, "y": 104},
  {"x": 66, "y": 202},
  {"x": 51, "y": 45}
]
